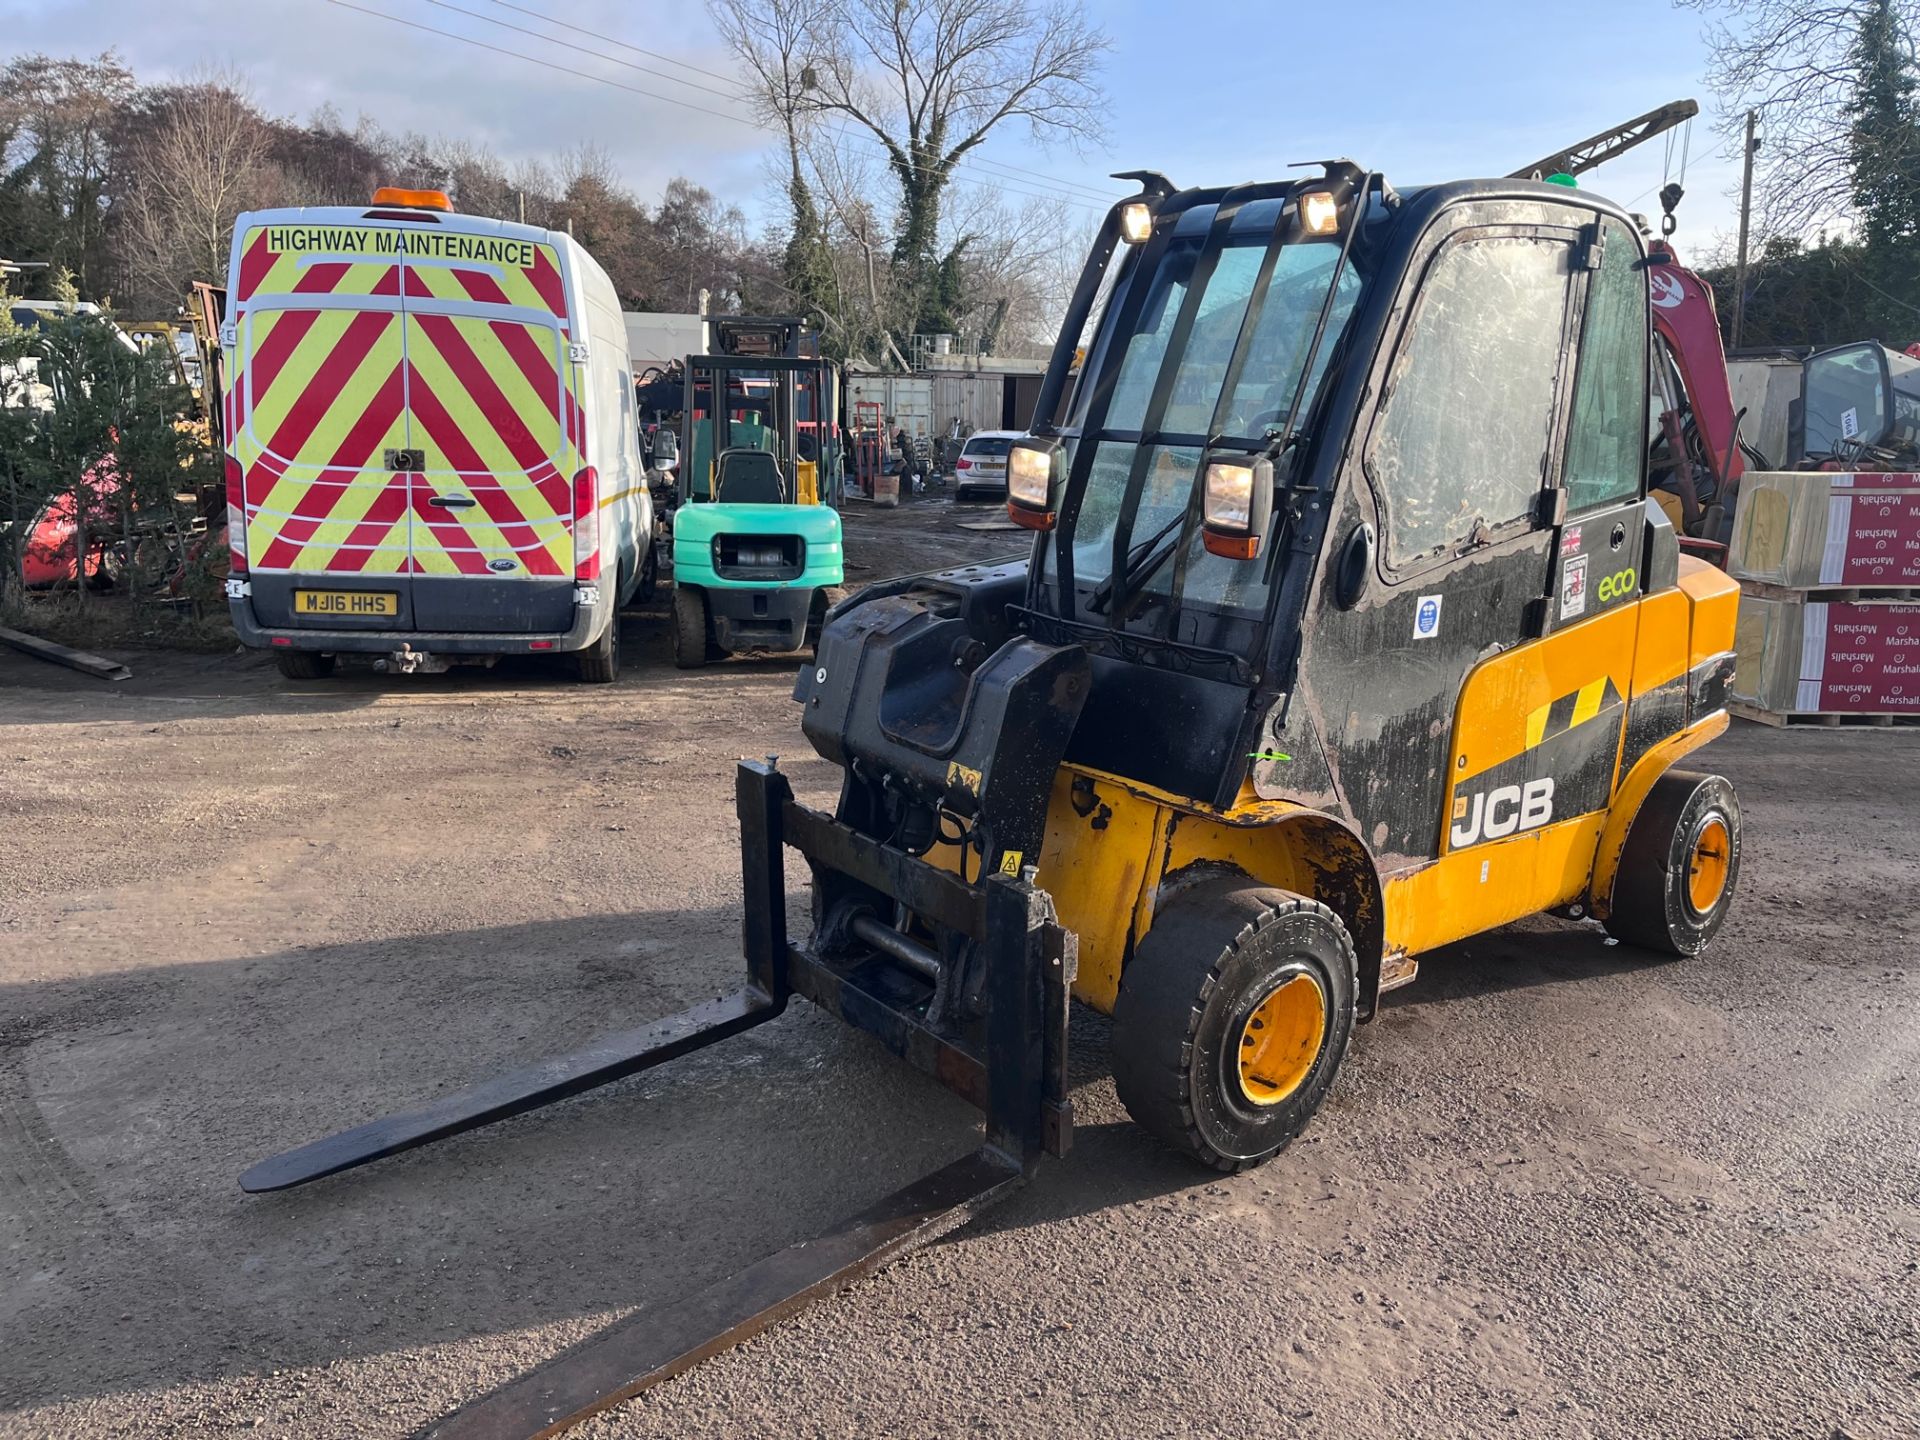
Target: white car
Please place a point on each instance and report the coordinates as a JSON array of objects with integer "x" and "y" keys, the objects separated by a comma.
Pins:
[{"x": 983, "y": 463}]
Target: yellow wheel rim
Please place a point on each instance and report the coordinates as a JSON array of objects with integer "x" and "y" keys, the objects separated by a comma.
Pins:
[
  {"x": 1707, "y": 871},
  {"x": 1281, "y": 1040}
]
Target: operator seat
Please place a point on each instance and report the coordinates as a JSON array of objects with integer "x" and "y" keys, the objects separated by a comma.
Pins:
[{"x": 748, "y": 477}]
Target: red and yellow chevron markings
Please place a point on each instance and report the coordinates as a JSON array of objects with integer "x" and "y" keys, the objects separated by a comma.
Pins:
[{"x": 487, "y": 399}]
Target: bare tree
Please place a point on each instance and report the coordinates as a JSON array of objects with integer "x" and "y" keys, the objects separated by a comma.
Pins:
[
  {"x": 1798, "y": 63},
  {"x": 199, "y": 157},
  {"x": 1018, "y": 264},
  {"x": 774, "y": 40},
  {"x": 928, "y": 81},
  {"x": 857, "y": 247}
]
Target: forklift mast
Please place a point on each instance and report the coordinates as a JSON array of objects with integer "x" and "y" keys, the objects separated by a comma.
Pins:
[{"x": 762, "y": 385}]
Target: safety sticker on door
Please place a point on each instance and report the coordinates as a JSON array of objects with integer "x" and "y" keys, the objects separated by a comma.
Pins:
[
  {"x": 1573, "y": 588},
  {"x": 1426, "y": 617}
]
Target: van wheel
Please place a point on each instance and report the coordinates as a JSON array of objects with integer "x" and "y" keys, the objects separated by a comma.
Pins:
[
  {"x": 303, "y": 664},
  {"x": 1233, "y": 1017},
  {"x": 689, "y": 627},
  {"x": 1679, "y": 866},
  {"x": 599, "y": 663}
]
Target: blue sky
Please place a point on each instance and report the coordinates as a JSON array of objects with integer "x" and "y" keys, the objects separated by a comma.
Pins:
[
  {"x": 1206, "y": 92},
  {"x": 1422, "y": 91}
]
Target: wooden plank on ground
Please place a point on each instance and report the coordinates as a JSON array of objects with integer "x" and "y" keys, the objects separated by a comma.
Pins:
[{"x": 65, "y": 655}]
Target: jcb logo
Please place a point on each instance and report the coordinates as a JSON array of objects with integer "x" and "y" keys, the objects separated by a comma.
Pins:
[
  {"x": 1496, "y": 814},
  {"x": 1618, "y": 586}
]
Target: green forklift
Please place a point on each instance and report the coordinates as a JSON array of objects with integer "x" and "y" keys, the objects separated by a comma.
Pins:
[{"x": 756, "y": 538}]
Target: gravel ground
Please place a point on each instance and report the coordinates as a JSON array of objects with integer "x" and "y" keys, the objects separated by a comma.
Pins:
[{"x": 1557, "y": 1190}]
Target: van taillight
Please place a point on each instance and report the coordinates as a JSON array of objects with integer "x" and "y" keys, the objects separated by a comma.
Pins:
[
  {"x": 236, "y": 517},
  {"x": 586, "y": 525}
]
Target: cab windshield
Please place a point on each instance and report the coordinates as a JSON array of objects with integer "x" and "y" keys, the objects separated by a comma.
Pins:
[{"x": 1248, "y": 309}]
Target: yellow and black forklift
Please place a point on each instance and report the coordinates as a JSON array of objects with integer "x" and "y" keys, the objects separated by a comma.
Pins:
[{"x": 1346, "y": 632}]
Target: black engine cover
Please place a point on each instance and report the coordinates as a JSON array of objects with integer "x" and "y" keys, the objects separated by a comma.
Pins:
[{"x": 917, "y": 696}]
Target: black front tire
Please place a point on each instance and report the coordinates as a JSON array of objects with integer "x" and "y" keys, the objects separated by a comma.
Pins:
[
  {"x": 303, "y": 664},
  {"x": 689, "y": 627},
  {"x": 1188, "y": 1006},
  {"x": 1679, "y": 866},
  {"x": 599, "y": 663}
]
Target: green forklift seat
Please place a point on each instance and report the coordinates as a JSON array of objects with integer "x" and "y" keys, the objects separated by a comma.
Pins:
[{"x": 749, "y": 477}]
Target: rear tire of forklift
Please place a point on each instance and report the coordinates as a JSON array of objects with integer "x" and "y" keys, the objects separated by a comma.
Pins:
[
  {"x": 303, "y": 664},
  {"x": 599, "y": 663},
  {"x": 1679, "y": 866},
  {"x": 689, "y": 627},
  {"x": 1232, "y": 1020}
]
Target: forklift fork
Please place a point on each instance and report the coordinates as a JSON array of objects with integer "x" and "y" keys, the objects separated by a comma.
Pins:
[{"x": 1015, "y": 1072}]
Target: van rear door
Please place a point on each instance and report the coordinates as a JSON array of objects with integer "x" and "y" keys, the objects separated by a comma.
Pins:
[
  {"x": 321, "y": 429},
  {"x": 495, "y": 423}
]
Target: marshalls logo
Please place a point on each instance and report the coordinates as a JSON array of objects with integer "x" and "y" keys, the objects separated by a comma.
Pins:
[{"x": 1496, "y": 814}]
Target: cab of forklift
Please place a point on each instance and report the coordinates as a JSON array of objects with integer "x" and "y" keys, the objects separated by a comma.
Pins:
[
  {"x": 755, "y": 537},
  {"x": 1347, "y": 512},
  {"x": 758, "y": 415},
  {"x": 1860, "y": 405},
  {"x": 1314, "y": 478}
]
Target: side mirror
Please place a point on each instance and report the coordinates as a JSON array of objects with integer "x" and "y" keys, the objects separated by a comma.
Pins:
[
  {"x": 1036, "y": 477},
  {"x": 1236, "y": 506}
]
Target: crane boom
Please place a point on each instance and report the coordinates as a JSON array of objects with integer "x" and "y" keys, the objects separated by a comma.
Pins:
[{"x": 1598, "y": 149}]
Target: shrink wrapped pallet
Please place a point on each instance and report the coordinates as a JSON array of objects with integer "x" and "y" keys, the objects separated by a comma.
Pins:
[
  {"x": 1796, "y": 656},
  {"x": 1806, "y": 529}
]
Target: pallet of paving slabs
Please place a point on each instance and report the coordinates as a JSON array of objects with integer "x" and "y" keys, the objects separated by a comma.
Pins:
[
  {"x": 1798, "y": 655},
  {"x": 1804, "y": 530}
]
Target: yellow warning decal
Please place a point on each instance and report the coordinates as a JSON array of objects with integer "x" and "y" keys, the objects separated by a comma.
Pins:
[
  {"x": 428, "y": 244},
  {"x": 964, "y": 776},
  {"x": 1574, "y": 708},
  {"x": 1010, "y": 862}
]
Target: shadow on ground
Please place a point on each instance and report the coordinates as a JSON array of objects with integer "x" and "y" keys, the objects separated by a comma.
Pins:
[
  {"x": 130, "y": 1104},
  {"x": 168, "y": 685}
]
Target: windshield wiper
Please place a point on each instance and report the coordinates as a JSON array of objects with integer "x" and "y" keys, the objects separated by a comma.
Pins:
[{"x": 1143, "y": 562}]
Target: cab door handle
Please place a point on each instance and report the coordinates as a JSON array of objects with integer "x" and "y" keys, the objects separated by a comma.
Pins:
[{"x": 453, "y": 502}]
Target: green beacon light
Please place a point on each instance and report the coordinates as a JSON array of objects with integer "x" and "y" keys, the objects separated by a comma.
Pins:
[{"x": 1562, "y": 178}]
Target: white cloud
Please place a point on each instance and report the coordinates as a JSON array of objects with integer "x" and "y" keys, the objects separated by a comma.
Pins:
[{"x": 301, "y": 54}]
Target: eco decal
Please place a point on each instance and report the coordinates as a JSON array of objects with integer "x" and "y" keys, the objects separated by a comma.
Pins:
[{"x": 1619, "y": 585}]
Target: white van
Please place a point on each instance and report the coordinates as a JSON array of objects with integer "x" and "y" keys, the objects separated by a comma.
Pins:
[{"x": 431, "y": 453}]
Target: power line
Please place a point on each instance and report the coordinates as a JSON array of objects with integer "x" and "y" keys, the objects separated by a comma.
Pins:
[
  {"x": 612, "y": 40},
  {"x": 548, "y": 64},
  {"x": 636, "y": 90},
  {"x": 569, "y": 45},
  {"x": 1005, "y": 165}
]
